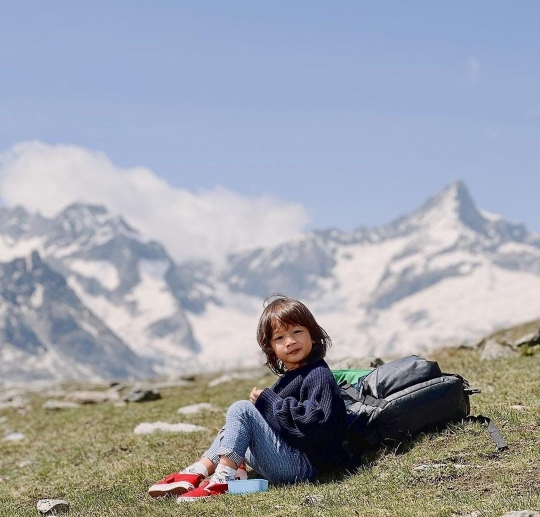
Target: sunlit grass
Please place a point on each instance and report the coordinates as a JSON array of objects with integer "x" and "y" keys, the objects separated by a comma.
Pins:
[{"x": 90, "y": 456}]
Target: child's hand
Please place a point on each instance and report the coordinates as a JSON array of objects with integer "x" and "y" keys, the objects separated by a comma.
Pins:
[{"x": 254, "y": 395}]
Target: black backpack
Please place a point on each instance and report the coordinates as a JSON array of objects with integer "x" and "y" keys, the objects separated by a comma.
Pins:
[{"x": 399, "y": 399}]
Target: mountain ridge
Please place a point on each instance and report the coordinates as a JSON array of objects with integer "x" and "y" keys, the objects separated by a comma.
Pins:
[
  {"x": 446, "y": 272},
  {"x": 46, "y": 325}
]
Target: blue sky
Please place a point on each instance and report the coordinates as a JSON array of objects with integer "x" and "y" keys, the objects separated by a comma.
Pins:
[{"x": 356, "y": 111}]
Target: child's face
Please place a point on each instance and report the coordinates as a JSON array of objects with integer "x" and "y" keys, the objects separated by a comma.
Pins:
[{"x": 292, "y": 345}]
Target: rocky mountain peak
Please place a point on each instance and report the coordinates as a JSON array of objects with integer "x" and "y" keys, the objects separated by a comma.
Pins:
[
  {"x": 82, "y": 220},
  {"x": 451, "y": 209},
  {"x": 89, "y": 216},
  {"x": 82, "y": 209},
  {"x": 456, "y": 202},
  {"x": 14, "y": 222}
]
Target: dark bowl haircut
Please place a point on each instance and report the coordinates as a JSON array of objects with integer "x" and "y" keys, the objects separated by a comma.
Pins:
[{"x": 282, "y": 311}]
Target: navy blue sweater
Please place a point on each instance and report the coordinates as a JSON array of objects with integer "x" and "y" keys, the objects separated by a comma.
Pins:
[{"x": 306, "y": 409}]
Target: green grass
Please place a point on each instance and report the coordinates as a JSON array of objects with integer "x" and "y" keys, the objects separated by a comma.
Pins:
[{"x": 90, "y": 456}]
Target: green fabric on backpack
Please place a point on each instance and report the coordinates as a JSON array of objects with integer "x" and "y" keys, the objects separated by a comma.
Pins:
[{"x": 350, "y": 376}]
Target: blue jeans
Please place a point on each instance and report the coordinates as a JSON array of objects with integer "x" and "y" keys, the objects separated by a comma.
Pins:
[{"x": 247, "y": 435}]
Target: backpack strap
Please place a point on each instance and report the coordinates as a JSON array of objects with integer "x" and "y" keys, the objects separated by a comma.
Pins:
[
  {"x": 493, "y": 430},
  {"x": 350, "y": 390},
  {"x": 372, "y": 401}
]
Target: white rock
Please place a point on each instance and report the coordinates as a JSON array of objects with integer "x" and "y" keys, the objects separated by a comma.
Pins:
[
  {"x": 151, "y": 427},
  {"x": 16, "y": 402},
  {"x": 9, "y": 395},
  {"x": 142, "y": 394},
  {"x": 195, "y": 408},
  {"x": 492, "y": 349},
  {"x": 55, "y": 393},
  {"x": 26, "y": 463},
  {"x": 313, "y": 499},
  {"x": 522, "y": 340},
  {"x": 52, "y": 506},
  {"x": 13, "y": 398},
  {"x": 93, "y": 397},
  {"x": 14, "y": 437},
  {"x": 59, "y": 404},
  {"x": 427, "y": 466}
]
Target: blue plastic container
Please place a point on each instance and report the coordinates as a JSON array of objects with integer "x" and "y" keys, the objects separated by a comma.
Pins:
[{"x": 244, "y": 486}]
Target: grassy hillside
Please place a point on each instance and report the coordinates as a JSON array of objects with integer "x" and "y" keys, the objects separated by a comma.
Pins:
[{"x": 91, "y": 457}]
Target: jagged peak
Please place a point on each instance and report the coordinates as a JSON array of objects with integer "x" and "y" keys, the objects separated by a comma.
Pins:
[
  {"x": 15, "y": 214},
  {"x": 453, "y": 204},
  {"x": 91, "y": 215},
  {"x": 20, "y": 211},
  {"x": 88, "y": 208},
  {"x": 453, "y": 199},
  {"x": 455, "y": 188}
]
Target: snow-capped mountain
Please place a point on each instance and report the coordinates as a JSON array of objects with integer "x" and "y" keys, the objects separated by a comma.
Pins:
[
  {"x": 446, "y": 273},
  {"x": 132, "y": 286},
  {"x": 47, "y": 332}
]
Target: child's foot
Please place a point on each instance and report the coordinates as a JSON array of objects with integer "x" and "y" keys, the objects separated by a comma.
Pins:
[
  {"x": 241, "y": 472},
  {"x": 206, "y": 490},
  {"x": 175, "y": 484},
  {"x": 217, "y": 484}
]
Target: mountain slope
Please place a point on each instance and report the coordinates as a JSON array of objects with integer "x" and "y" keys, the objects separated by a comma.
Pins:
[
  {"x": 130, "y": 283},
  {"x": 46, "y": 332},
  {"x": 443, "y": 274}
]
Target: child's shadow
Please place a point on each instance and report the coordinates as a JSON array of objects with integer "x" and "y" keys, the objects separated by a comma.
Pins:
[
  {"x": 366, "y": 459},
  {"x": 361, "y": 460}
]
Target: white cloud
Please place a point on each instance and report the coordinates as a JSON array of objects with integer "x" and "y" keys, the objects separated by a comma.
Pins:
[
  {"x": 473, "y": 71},
  {"x": 207, "y": 224}
]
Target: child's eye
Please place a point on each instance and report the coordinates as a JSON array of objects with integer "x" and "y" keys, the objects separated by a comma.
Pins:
[{"x": 297, "y": 331}]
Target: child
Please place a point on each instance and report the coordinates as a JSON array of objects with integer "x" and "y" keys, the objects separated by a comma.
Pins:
[{"x": 288, "y": 433}]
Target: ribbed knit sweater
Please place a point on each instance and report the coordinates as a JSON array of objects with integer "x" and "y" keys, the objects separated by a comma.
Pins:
[{"x": 306, "y": 409}]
